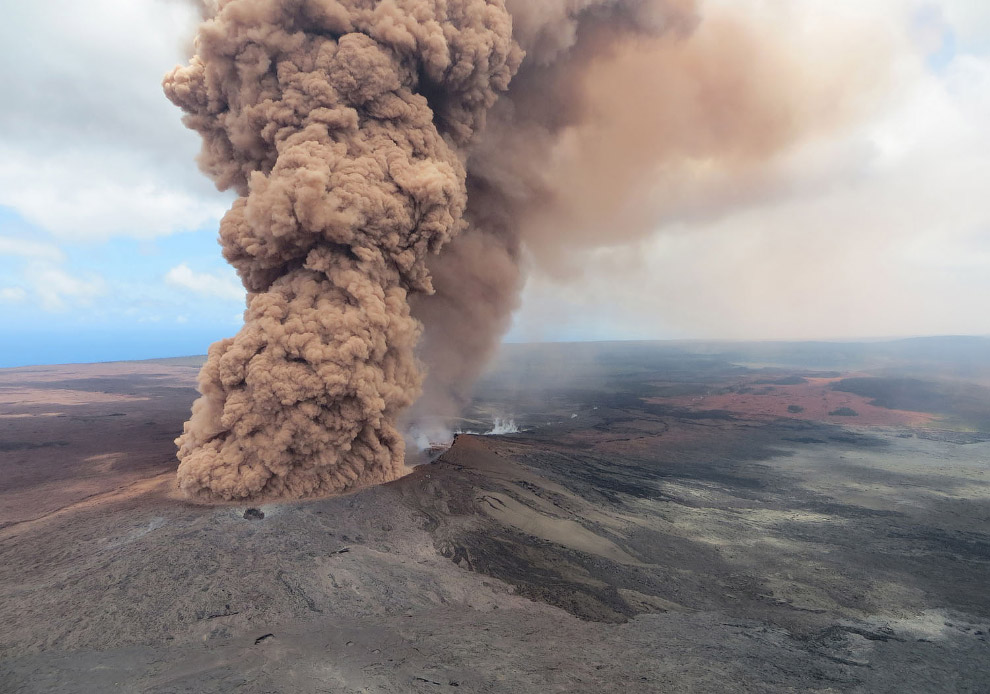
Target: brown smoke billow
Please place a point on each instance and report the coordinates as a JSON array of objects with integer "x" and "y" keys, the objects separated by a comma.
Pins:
[
  {"x": 399, "y": 162},
  {"x": 349, "y": 177}
]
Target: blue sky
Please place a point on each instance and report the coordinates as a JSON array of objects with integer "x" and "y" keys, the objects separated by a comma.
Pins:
[
  {"x": 108, "y": 231},
  {"x": 120, "y": 298}
]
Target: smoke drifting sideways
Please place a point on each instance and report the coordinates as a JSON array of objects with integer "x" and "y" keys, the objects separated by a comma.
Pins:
[
  {"x": 623, "y": 118},
  {"x": 399, "y": 163}
]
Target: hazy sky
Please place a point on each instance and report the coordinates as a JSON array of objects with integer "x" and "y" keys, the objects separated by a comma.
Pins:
[{"x": 877, "y": 226}]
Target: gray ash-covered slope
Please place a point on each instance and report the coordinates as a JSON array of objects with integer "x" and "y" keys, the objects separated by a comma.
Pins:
[{"x": 636, "y": 546}]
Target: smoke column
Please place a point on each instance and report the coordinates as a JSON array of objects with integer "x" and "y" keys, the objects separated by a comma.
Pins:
[
  {"x": 340, "y": 125},
  {"x": 399, "y": 162}
]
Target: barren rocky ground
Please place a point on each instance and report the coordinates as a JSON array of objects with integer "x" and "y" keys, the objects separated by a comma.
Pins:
[{"x": 660, "y": 523}]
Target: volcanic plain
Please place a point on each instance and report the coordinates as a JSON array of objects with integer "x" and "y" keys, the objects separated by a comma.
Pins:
[{"x": 678, "y": 517}]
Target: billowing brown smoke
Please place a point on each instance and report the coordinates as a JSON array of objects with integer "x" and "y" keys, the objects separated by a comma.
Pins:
[
  {"x": 398, "y": 161},
  {"x": 349, "y": 177}
]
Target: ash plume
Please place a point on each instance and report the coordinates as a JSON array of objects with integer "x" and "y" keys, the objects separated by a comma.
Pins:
[
  {"x": 399, "y": 164},
  {"x": 479, "y": 278},
  {"x": 349, "y": 177},
  {"x": 625, "y": 116}
]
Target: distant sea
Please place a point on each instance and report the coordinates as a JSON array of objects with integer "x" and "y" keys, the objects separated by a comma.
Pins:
[{"x": 35, "y": 347}]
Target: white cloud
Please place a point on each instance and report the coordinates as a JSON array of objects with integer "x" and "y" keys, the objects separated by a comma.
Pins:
[
  {"x": 970, "y": 19},
  {"x": 25, "y": 248},
  {"x": 42, "y": 274},
  {"x": 76, "y": 197},
  {"x": 223, "y": 287},
  {"x": 12, "y": 295},
  {"x": 57, "y": 290},
  {"x": 90, "y": 148}
]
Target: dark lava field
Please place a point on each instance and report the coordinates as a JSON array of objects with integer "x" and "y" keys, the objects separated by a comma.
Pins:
[{"x": 682, "y": 517}]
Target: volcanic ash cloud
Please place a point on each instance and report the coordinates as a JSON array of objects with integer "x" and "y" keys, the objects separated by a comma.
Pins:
[
  {"x": 317, "y": 113},
  {"x": 364, "y": 135}
]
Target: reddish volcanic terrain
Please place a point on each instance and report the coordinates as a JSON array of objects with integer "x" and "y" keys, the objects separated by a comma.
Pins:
[{"x": 815, "y": 397}]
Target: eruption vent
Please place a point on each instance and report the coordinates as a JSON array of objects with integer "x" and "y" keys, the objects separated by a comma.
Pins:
[{"x": 364, "y": 135}]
